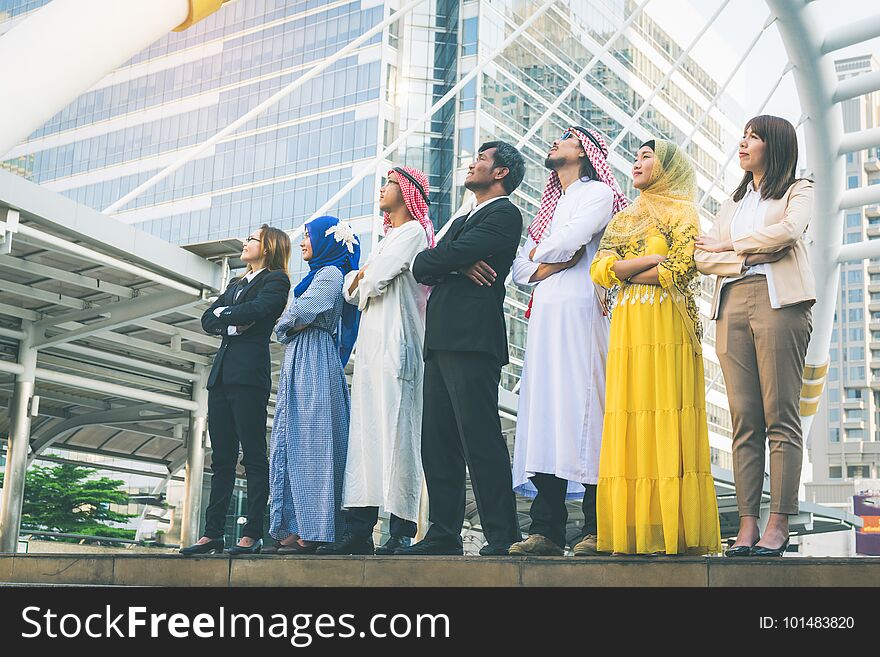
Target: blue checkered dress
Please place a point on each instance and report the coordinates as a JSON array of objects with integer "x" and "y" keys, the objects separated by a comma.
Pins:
[{"x": 310, "y": 431}]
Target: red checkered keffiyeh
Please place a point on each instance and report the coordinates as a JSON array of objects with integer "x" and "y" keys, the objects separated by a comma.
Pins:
[
  {"x": 553, "y": 188},
  {"x": 553, "y": 191},
  {"x": 415, "y": 202}
]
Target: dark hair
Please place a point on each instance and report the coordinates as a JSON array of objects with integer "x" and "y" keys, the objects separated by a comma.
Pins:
[
  {"x": 276, "y": 245},
  {"x": 508, "y": 157},
  {"x": 780, "y": 157},
  {"x": 650, "y": 144}
]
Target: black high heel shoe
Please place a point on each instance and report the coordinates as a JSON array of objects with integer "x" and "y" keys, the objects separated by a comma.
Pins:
[
  {"x": 741, "y": 550},
  {"x": 214, "y": 546},
  {"x": 759, "y": 551},
  {"x": 250, "y": 549}
]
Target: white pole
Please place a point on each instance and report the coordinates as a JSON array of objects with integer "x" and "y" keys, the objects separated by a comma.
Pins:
[
  {"x": 364, "y": 171},
  {"x": 271, "y": 100},
  {"x": 65, "y": 47},
  {"x": 18, "y": 444}
]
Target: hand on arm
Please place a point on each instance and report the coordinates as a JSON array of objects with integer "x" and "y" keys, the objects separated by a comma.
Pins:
[
  {"x": 497, "y": 231},
  {"x": 713, "y": 244},
  {"x": 648, "y": 277},
  {"x": 764, "y": 258},
  {"x": 627, "y": 269},
  {"x": 546, "y": 270},
  {"x": 269, "y": 302},
  {"x": 357, "y": 279},
  {"x": 480, "y": 273}
]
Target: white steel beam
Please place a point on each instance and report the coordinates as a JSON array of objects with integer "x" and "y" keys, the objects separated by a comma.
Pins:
[
  {"x": 110, "y": 358},
  {"x": 88, "y": 40},
  {"x": 112, "y": 316},
  {"x": 114, "y": 389},
  {"x": 104, "y": 259},
  {"x": 860, "y": 196},
  {"x": 859, "y": 141},
  {"x": 856, "y": 86},
  {"x": 96, "y": 285},
  {"x": 859, "y": 251},
  {"x": 849, "y": 35}
]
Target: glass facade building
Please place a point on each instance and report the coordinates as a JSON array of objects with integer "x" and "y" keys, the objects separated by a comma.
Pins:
[{"x": 282, "y": 166}]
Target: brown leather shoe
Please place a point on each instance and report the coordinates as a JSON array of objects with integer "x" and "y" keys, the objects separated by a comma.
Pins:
[
  {"x": 296, "y": 548},
  {"x": 535, "y": 545},
  {"x": 586, "y": 547}
]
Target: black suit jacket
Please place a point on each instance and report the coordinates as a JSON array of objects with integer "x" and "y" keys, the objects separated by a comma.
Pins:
[
  {"x": 244, "y": 359},
  {"x": 461, "y": 315}
]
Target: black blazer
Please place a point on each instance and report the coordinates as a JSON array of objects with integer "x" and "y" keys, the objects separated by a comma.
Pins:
[
  {"x": 461, "y": 315},
  {"x": 244, "y": 359}
]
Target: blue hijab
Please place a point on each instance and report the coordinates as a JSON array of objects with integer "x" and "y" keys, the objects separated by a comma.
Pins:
[{"x": 328, "y": 252}]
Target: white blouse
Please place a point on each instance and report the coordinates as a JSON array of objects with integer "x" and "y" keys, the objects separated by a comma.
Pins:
[{"x": 748, "y": 218}]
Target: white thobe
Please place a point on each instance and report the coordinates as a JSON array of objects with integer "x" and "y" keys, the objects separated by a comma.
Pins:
[
  {"x": 562, "y": 391},
  {"x": 384, "y": 465}
]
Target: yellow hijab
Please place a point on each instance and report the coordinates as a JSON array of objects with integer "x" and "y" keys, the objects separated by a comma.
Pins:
[{"x": 668, "y": 205}]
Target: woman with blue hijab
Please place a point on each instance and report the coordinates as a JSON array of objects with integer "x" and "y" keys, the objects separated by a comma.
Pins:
[{"x": 310, "y": 429}]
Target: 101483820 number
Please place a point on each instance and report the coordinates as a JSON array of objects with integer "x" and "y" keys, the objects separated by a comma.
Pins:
[{"x": 818, "y": 622}]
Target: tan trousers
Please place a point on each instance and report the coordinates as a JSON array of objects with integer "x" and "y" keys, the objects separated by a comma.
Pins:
[{"x": 762, "y": 351}]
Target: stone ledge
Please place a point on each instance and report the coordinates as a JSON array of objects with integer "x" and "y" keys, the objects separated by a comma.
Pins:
[{"x": 305, "y": 571}]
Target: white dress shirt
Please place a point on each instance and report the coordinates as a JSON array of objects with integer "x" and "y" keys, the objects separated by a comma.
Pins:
[
  {"x": 748, "y": 218},
  {"x": 232, "y": 330}
]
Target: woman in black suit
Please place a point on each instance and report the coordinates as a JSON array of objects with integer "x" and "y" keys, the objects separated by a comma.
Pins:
[{"x": 239, "y": 385}]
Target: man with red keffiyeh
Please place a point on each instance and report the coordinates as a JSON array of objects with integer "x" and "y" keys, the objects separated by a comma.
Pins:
[
  {"x": 384, "y": 464},
  {"x": 562, "y": 391}
]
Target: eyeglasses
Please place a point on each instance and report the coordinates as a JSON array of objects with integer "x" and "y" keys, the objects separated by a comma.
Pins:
[
  {"x": 566, "y": 135},
  {"x": 253, "y": 239}
]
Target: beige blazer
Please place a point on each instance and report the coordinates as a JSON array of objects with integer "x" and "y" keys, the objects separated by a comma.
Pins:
[{"x": 785, "y": 222}]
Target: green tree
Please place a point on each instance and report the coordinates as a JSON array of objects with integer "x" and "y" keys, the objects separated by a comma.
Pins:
[{"x": 65, "y": 499}]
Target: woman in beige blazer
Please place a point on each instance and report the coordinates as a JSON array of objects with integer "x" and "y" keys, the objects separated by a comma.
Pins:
[{"x": 763, "y": 306}]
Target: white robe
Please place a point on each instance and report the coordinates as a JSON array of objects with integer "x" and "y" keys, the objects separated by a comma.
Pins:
[
  {"x": 562, "y": 392},
  {"x": 384, "y": 465}
]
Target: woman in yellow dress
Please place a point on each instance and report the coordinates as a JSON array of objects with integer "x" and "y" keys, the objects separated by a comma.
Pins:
[{"x": 656, "y": 493}]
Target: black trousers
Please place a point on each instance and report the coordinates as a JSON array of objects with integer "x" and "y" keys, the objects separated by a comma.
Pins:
[
  {"x": 362, "y": 519},
  {"x": 237, "y": 416},
  {"x": 548, "y": 511},
  {"x": 461, "y": 427}
]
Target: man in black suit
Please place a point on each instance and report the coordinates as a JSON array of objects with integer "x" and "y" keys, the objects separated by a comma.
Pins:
[
  {"x": 239, "y": 385},
  {"x": 465, "y": 349}
]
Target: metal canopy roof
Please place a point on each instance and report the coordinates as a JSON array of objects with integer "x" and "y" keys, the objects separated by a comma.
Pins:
[{"x": 114, "y": 313}]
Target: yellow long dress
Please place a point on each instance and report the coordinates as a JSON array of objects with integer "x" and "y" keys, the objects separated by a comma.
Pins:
[{"x": 656, "y": 493}]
